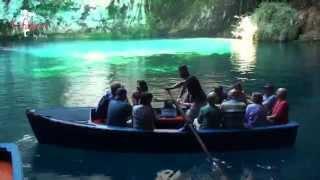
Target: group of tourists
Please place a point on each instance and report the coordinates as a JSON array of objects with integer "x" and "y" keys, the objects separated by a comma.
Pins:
[
  {"x": 218, "y": 109},
  {"x": 115, "y": 110}
]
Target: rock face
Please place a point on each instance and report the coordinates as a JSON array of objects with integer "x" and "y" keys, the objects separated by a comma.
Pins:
[
  {"x": 138, "y": 18},
  {"x": 205, "y": 17},
  {"x": 122, "y": 17},
  {"x": 71, "y": 16},
  {"x": 309, "y": 19}
]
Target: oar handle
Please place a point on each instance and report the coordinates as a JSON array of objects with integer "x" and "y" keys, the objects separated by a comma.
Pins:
[{"x": 210, "y": 158}]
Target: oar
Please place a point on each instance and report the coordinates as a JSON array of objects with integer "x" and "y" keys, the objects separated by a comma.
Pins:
[{"x": 213, "y": 161}]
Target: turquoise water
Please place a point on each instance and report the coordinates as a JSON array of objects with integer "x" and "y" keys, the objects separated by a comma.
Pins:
[{"x": 76, "y": 73}]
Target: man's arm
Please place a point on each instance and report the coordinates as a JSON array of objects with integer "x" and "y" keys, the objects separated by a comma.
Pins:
[
  {"x": 200, "y": 117},
  {"x": 183, "y": 90},
  {"x": 272, "y": 118},
  {"x": 177, "y": 85},
  {"x": 277, "y": 114}
]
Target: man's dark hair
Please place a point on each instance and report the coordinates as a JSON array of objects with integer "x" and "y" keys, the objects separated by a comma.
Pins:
[
  {"x": 238, "y": 86},
  {"x": 114, "y": 87},
  {"x": 142, "y": 86},
  {"x": 257, "y": 97},
  {"x": 121, "y": 93},
  {"x": 269, "y": 87},
  {"x": 218, "y": 90},
  {"x": 184, "y": 72},
  {"x": 233, "y": 94},
  {"x": 146, "y": 98}
]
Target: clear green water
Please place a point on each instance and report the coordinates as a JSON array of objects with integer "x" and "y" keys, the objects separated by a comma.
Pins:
[{"x": 76, "y": 73}]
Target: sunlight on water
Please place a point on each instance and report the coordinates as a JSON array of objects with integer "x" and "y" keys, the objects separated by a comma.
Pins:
[
  {"x": 133, "y": 48},
  {"x": 92, "y": 60},
  {"x": 76, "y": 73},
  {"x": 76, "y": 57},
  {"x": 244, "y": 53}
]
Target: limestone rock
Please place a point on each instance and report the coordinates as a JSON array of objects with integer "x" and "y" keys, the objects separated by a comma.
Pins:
[{"x": 310, "y": 23}]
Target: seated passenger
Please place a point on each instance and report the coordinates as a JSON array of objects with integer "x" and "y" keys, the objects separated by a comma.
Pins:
[
  {"x": 168, "y": 110},
  {"x": 280, "y": 111},
  {"x": 256, "y": 114},
  {"x": 233, "y": 110},
  {"x": 269, "y": 99},
  {"x": 210, "y": 115},
  {"x": 102, "y": 108},
  {"x": 221, "y": 95},
  {"x": 241, "y": 96},
  {"x": 143, "y": 116},
  {"x": 142, "y": 87},
  {"x": 119, "y": 109}
]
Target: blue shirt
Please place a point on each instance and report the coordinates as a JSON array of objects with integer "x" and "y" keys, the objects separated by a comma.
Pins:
[
  {"x": 143, "y": 117},
  {"x": 118, "y": 113},
  {"x": 255, "y": 116},
  {"x": 269, "y": 102}
]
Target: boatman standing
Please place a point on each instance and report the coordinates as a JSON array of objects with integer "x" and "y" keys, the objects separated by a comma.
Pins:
[{"x": 195, "y": 99}]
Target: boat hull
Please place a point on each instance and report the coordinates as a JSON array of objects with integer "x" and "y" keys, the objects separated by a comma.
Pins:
[
  {"x": 78, "y": 133},
  {"x": 10, "y": 162}
]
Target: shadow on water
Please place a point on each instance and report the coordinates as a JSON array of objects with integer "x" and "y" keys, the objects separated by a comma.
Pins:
[{"x": 51, "y": 161}]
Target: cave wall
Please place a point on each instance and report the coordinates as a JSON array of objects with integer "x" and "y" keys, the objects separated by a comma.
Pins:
[
  {"x": 122, "y": 17},
  {"x": 128, "y": 18},
  {"x": 71, "y": 16}
]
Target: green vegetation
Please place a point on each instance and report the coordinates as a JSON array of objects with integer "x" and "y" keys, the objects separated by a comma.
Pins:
[
  {"x": 271, "y": 21},
  {"x": 49, "y": 8},
  {"x": 276, "y": 21}
]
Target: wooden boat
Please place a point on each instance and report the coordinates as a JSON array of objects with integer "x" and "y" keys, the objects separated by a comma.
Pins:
[
  {"x": 71, "y": 127},
  {"x": 10, "y": 162}
]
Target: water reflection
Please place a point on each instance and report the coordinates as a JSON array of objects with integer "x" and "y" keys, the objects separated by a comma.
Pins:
[
  {"x": 243, "y": 56},
  {"x": 46, "y": 80},
  {"x": 87, "y": 90},
  {"x": 52, "y": 162}
]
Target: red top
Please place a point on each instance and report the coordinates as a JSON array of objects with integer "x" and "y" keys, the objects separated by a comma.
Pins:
[{"x": 281, "y": 111}]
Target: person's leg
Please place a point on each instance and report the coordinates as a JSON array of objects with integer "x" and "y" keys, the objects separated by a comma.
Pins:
[
  {"x": 194, "y": 111},
  {"x": 196, "y": 123}
]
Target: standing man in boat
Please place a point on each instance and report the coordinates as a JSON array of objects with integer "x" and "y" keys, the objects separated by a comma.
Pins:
[{"x": 196, "y": 98}]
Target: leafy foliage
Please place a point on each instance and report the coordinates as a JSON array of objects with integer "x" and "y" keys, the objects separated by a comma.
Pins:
[
  {"x": 275, "y": 21},
  {"x": 51, "y": 7}
]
